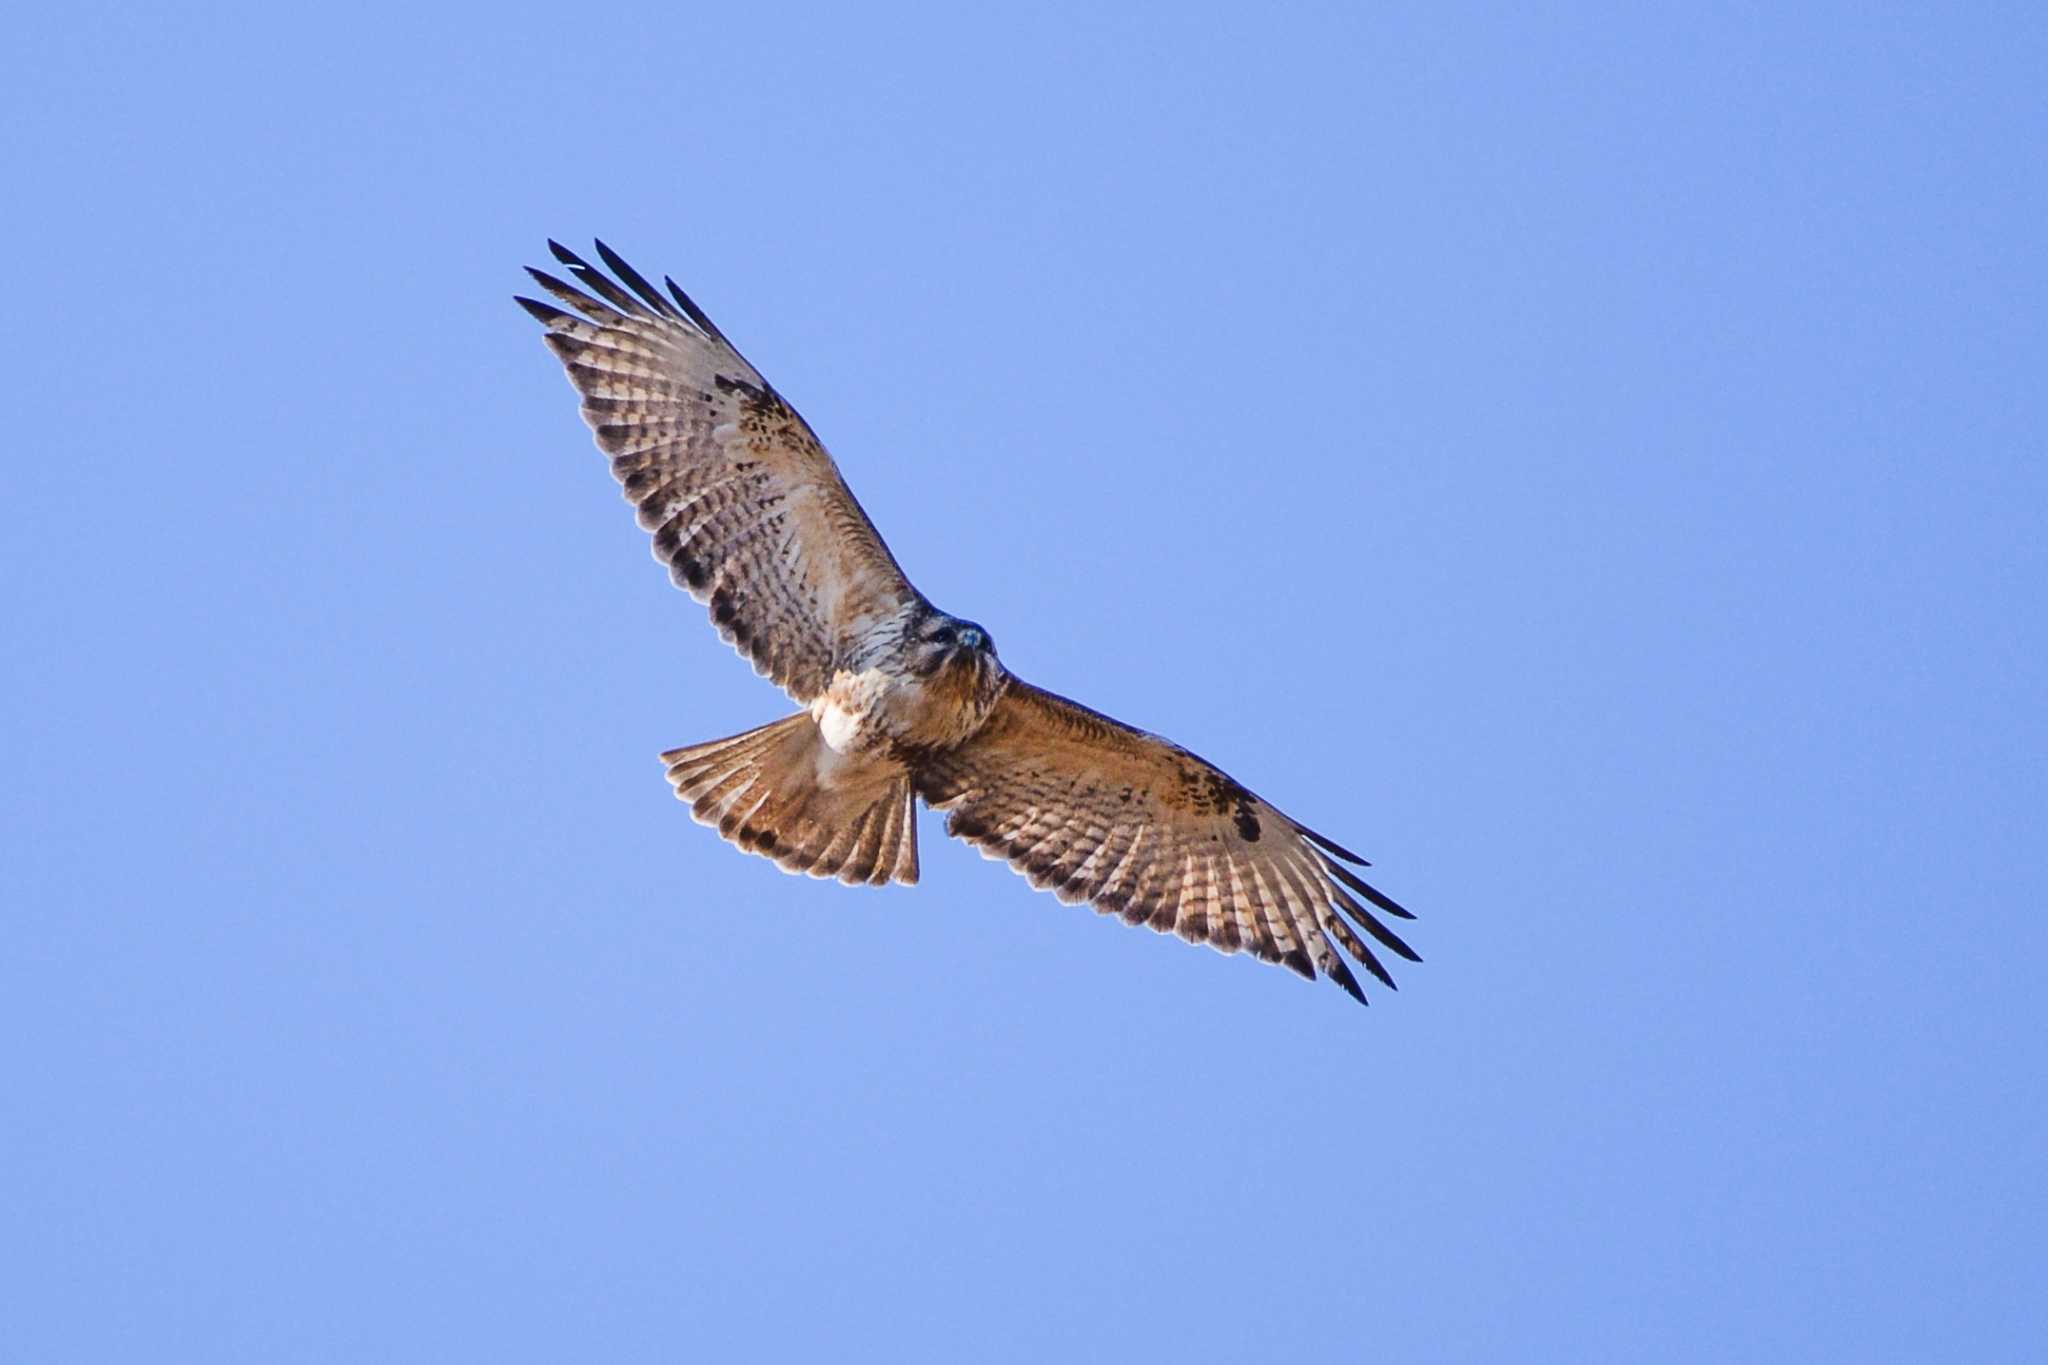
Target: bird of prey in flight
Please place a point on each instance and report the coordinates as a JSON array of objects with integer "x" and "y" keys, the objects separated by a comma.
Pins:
[{"x": 903, "y": 701}]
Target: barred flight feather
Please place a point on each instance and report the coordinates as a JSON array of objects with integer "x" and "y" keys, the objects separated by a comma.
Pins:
[{"x": 1099, "y": 812}]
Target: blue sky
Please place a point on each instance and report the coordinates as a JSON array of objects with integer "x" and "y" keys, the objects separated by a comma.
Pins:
[{"x": 1592, "y": 464}]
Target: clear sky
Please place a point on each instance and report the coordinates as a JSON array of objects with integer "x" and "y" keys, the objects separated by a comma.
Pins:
[{"x": 1593, "y": 465}]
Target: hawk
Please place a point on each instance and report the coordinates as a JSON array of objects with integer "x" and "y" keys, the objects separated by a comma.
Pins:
[{"x": 902, "y": 701}]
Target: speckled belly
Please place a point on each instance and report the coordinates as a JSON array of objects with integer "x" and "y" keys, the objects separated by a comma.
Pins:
[{"x": 862, "y": 712}]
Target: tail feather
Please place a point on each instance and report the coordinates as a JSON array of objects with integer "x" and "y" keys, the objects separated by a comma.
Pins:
[
  {"x": 780, "y": 791},
  {"x": 867, "y": 848}
]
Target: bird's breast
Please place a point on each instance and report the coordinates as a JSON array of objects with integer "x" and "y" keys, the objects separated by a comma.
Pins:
[
  {"x": 850, "y": 712},
  {"x": 878, "y": 709}
]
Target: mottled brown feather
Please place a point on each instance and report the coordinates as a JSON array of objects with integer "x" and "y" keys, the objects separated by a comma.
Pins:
[
  {"x": 745, "y": 507},
  {"x": 1139, "y": 827}
]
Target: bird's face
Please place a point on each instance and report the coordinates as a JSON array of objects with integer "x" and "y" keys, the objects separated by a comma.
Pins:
[{"x": 947, "y": 642}]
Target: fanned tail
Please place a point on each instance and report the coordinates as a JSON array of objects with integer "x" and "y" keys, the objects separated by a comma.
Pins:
[{"x": 782, "y": 792}]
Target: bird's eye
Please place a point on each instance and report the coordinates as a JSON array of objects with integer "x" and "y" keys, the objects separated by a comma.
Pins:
[{"x": 942, "y": 636}]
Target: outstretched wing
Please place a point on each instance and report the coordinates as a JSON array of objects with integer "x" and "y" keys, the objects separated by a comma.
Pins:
[
  {"x": 1096, "y": 811},
  {"x": 747, "y": 509}
]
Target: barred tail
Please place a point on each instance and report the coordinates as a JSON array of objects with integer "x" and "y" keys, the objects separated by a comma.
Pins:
[{"x": 782, "y": 792}]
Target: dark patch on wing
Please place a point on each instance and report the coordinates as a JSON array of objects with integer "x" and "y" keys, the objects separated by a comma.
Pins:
[
  {"x": 727, "y": 384},
  {"x": 1209, "y": 790}
]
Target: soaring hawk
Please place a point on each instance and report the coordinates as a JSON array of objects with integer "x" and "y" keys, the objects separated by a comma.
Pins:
[{"x": 902, "y": 700}]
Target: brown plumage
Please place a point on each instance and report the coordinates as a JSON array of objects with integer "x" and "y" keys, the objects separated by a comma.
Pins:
[{"x": 903, "y": 700}]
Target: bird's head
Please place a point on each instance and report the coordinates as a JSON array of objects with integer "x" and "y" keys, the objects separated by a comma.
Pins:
[{"x": 945, "y": 642}]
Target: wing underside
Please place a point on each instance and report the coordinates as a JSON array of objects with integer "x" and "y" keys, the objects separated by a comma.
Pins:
[
  {"x": 1097, "y": 812},
  {"x": 745, "y": 507}
]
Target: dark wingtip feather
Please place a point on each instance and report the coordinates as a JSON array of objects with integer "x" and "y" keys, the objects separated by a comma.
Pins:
[
  {"x": 690, "y": 309},
  {"x": 1372, "y": 964},
  {"x": 1366, "y": 921},
  {"x": 574, "y": 297},
  {"x": 634, "y": 280},
  {"x": 1341, "y": 974},
  {"x": 564, "y": 255},
  {"x": 608, "y": 289},
  {"x": 545, "y": 312},
  {"x": 1358, "y": 884},
  {"x": 1339, "y": 928},
  {"x": 1330, "y": 846}
]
